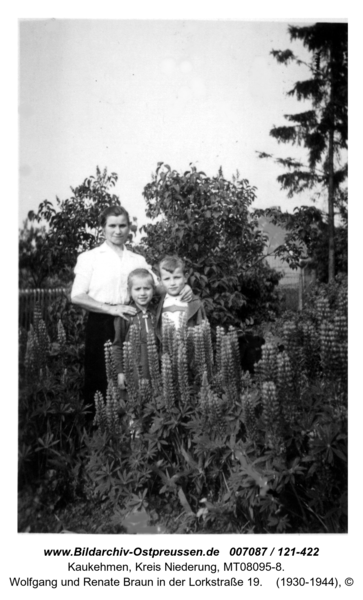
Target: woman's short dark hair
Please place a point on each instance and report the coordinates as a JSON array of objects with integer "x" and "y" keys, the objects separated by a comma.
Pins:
[{"x": 113, "y": 211}]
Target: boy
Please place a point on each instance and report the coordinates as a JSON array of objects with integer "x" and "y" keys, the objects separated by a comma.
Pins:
[{"x": 171, "y": 308}]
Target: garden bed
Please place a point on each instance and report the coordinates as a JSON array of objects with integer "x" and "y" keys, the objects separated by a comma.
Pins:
[{"x": 203, "y": 447}]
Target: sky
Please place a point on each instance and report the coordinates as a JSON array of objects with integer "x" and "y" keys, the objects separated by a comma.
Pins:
[{"x": 126, "y": 94}]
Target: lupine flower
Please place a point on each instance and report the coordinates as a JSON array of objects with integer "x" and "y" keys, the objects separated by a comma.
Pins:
[
  {"x": 167, "y": 379},
  {"x": 130, "y": 373},
  {"x": 233, "y": 336},
  {"x": 199, "y": 350},
  {"x": 183, "y": 374},
  {"x": 228, "y": 370},
  {"x": 267, "y": 366},
  {"x": 322, "y": 309},
  {"x": 208, "y": 348},
  {"x": 153, "y": 360},
  {"x": 33, "y": 359},
  {"x": 61, "y": 336},
  {"x": 219, "y": 335},
  {"x": 100, "y": 419}
]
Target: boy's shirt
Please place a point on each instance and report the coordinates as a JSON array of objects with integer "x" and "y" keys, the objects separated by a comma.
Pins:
[
  {"x": 173, "y": 310},
  {"x": 194, "y": 313}
]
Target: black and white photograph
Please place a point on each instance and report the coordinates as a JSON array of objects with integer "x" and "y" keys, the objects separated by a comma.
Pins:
[
  {"x": 183, "y": 277},
  {"x": 183, "y": 294}
]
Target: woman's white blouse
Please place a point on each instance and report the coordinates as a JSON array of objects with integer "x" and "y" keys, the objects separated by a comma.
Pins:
[{"x": 102, "y": 274}]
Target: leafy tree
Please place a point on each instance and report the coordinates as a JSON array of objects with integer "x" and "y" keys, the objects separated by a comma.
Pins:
[
  {"x": 67, "y": 229},
  {"x": 34, "y": 259},
  {"x": 322, "y": 129},
  {"x": 307, "y": 238},
  {"x": 207, "y": 221}
]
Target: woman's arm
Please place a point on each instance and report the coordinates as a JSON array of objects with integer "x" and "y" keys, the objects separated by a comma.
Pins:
[
  {"x": 186, "y": 293},
  {"x": 84, "y": 271},
  {"x": 118, "y": 310}
]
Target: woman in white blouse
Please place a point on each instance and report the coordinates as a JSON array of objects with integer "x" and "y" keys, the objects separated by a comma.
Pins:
[{"x": 100, "y": 287}]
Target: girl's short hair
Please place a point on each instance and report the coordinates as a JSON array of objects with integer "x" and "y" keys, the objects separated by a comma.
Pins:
[
  {"x": 143, "y": 273},
  {"x": 170, "y": 263},
  {"x": 113, "y": 211}
]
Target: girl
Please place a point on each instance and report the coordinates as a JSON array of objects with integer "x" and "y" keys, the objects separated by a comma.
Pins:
[{"x": 141, "y": 288}]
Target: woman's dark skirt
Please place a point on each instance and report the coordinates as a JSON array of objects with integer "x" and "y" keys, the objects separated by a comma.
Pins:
[{"x": 99, "y": 329}]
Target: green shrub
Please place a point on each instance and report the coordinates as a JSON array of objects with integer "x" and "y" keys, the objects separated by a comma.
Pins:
[
  {"x": 207, "y": 221},
  {"x": 53, "y": 236}
]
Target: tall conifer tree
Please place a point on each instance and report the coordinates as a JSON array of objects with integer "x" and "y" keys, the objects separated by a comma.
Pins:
[{"x": 323, "y": 129}]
